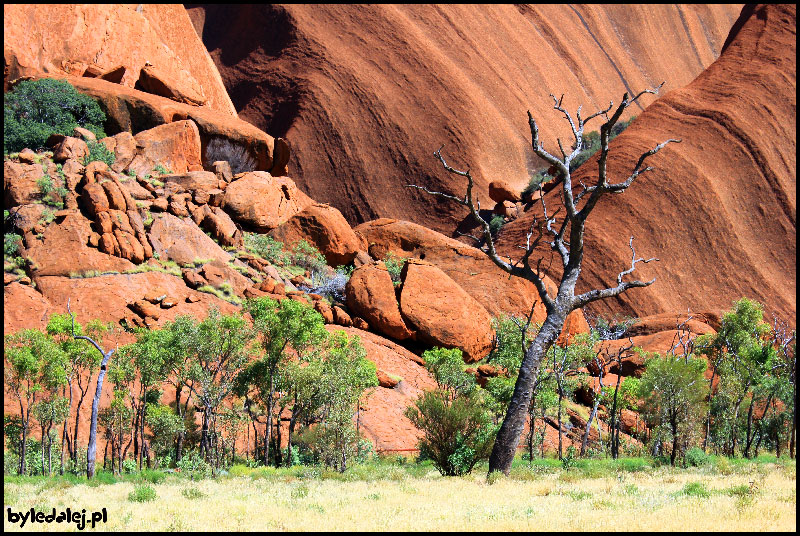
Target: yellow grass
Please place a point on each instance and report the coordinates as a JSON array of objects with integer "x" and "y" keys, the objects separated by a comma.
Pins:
[{"x": 631, "y": 501}]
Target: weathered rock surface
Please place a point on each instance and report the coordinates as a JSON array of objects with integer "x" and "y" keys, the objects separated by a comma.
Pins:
[
  {"x": 175, "y": 146},
  {"x": 719, "y": 209},
  {"x": 467, "y": 266},
  {"x": 63, "y": 250},
  {"x": 261, "y": 201},
  {"x": 344, "y": 100},
  {"x": 442, "y": 313},
  {"x": 371, "y": 295},
  {"x": 182, "y": 241},
  {"x": 323, "y": 227},
  {"x": 73, "y": 39}
]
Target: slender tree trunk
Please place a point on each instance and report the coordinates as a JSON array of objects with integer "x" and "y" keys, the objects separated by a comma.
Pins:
[
  {"x": 614, "y": 419},
  {"x": 292, "y": 421},
  {"x": 674, "y": 454},
  {"x": 78, "y": 420},
  {"x": 560, "y": 450},
  {"x": 179, "y": 440},
  {"x": 593, "y": 413},
  {"x": 749, "y": 431},
  {"x": 91, "y": 451},
  {"x": 532, "y": 427},
  {"x": 708, "y": 416},
  {"x": 505, "y": 444}
]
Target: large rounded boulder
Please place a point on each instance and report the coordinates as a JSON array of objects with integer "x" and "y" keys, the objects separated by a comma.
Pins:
[
  {"x": 371, "y": 295},
  {"x": 325, "y": 228},
  {"x": 443, "y": 313},
  {"x": 262, "y": 202}
]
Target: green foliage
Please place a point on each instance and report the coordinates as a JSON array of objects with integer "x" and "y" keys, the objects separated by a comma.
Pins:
[
  {"x": 457, "y": 433},
  {"x": 394, "y": 265},
  {"x": 165, "y": 426},
  {"x": 537, "y": 179},
  {"x": 194, "y": 466},
  {"x": 447, "y": 367},
  {"x": 142, "y": 493},
  {"x": 11, "y": 244},
  {"x": 98, "y": 152},
  {"x": 192, "y": 493},
  {"x": 266, "y": 247},
  {"x": 674, "y": 393},
  {"x": 35, "y": 109},
  {"x": 307, "y": 257},
  {"x": 696, "y": 457},
  {"x": 45, "y": 184},
  {"x": 161, "y": 169},
  {"x": 695, "y": 489},
  {"x": 496, "y": 224}
]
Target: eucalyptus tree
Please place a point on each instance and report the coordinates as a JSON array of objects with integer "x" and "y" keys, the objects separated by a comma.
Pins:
[
  {"x": 218, "y": 348},
  {"x": 83, "y": 362},
  {"x": 285, "y": 330},
  {"x": 674, "y": 393},
  {"x": 36, "y": 367},
  {"x": 567, "y": 240}
]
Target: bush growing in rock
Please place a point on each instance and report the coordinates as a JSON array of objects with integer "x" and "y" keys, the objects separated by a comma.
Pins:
[
  {"x": 35, "y": 109},
  {"x": 98, "y": 152}
]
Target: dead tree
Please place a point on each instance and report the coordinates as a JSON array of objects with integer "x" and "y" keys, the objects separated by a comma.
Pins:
[
  {"x": 91, "y": 451},
  {"x": 566, "y": 240}
]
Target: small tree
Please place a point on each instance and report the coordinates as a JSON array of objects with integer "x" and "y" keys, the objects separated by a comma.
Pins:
[
  {"x": 36, "y": 366},
  {"x": 674, "y": 393},
  {"x": 347, "y": 374},
  {"x": 567, "y": 240},
  {"x": 218, "y": 347},
  {"x": 281, "y": 327}
]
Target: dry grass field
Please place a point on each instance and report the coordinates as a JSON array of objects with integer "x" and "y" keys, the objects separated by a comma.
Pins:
[{"x": 751, "y": 497}]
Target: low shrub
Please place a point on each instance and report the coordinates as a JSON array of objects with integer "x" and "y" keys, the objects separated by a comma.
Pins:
[
  {"x": 237, "y": 156},
  {"x": 142, "y": 493},
  {"x": 696, "y": 457},
  {"x": 394, "y": 265},
  {"x": 98, "y": 152}
]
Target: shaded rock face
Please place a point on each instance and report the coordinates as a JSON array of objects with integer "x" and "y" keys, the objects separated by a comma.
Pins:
[
  {"x": 336, "y": 79},
  {"x": 74, "y": 40},
  {"x": 442, "y": 313},
  {"x": 718, "y": 209}
]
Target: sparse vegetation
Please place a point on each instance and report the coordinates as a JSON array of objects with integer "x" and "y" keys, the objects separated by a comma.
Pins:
[
  {"x": 98, "y": 152},
  {"x": 237, "y": 156}
]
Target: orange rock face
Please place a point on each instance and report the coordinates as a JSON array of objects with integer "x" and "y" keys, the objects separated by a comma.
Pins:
[
  {"x": 262, "y": 201},
  {"x": 371, "y": 294},
  {"x": 443, "y": 313},
  {"x": 323, "y": 227},
  {"x": 719, "y": 208},
  {"x": 371, "y": 91},
  {"x": 71, "y": 39},
  {"x": 467, "y": 266}
]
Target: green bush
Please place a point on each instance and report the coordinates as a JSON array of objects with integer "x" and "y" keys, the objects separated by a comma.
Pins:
[
  {"x": 142, "y": 493},
  {"x": 11, "y": 243},
  {"x": 696, "y": 457},
  {"x": 695, "y": 489},
  {"x": 394, "y": 265},
  {"x": 98, "y": 152},
  {"x": 194, "y": 466},
  {"x": 456, "y": 433},
  {"x": 496, "y": 224},
  {"x": 266, "y": 247},
  {"x": 35, "y": 109}
]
